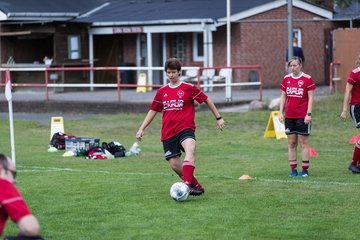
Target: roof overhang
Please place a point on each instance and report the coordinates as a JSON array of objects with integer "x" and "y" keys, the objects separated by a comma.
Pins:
[
  {"x": 37, "y": 16},
  {"x": 18, "y": 33},
  {"x": 125, "y": 29},
  {"x": 3, "y": 16},
  {"x": 155, "y": 22},
  {"x": 322, "y": 12},
  {"x": 24, "y": 33}
]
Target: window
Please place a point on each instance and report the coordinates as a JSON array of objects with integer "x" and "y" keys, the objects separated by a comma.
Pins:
[
  {"x": 178, "y": 46},
  {"x": 74, "y": 47},
  {"x": 198, "y": 47},
  {"x": 143, "y": 50},
  {"x": 297, "y": 34}
]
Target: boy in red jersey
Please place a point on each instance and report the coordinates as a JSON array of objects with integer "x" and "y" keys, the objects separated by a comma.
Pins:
[
  {"x": 177, "y": 102},
  {"x": 297, "y": 92},
  {"x": 353, "y": 89},
  {"x": 13, "y": 205}
]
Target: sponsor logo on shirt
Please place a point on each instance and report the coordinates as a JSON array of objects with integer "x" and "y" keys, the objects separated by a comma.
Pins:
[
  {"x": 165, "y": 95},
  {"x": 173, "y": 105},
  {"x": 294, "y": 91}
]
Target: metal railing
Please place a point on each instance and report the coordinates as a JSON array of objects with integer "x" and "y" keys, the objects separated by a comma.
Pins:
[{"x": 118, "y": 85}]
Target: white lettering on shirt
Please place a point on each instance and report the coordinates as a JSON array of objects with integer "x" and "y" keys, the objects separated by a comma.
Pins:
[
  {"x": 294, "y": 91},
  {"x": 170, "y": 105}
]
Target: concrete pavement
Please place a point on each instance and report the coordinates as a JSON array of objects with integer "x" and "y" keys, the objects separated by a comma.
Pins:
[{"x": 106, "y": 101}]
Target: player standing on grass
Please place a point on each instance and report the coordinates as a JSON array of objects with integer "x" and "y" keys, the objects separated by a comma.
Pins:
[
  {"x": 177, "y": 102},
  {"x": 297, "y": 92},
  {"x": 353, "y": 89}
]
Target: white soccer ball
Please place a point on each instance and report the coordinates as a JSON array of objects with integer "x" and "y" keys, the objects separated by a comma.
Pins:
[{"x": 179, "y": 191}]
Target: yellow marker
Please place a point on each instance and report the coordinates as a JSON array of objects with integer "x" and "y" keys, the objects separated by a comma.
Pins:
[
  {"x": 142, "y": 80},
  {"x": 57, "y": 125},
  {"x": 274, "y": 127}
]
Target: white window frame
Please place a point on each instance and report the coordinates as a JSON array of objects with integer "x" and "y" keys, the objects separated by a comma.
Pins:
[
  {"x": 74, "y": 47},
  {"x": 297, "y": 34},
  {"x": 195, "y": 47}
]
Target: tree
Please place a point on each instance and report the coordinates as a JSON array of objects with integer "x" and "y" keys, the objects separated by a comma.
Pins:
[
  {"x": 340, "y": 3},
  {"x": 345, "y": 3}
]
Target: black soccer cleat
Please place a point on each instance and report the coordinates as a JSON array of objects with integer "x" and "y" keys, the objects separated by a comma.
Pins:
[
  {"x": 354, "y": 168},
  {"x": 196, "y": 190}
]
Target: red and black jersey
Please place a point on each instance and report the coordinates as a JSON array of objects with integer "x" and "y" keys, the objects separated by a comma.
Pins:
[
  {"x": 11, "y": 204},
  {"x": 178, "y": 107},
  {"x": 354, "y": 79},
  {"x": 296, "y": 89}
]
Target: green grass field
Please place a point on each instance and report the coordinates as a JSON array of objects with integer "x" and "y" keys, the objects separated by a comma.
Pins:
[{"x": 128, "y": 198}]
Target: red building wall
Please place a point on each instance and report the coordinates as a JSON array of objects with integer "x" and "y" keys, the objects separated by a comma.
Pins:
[{"x": 262, "y": 39}]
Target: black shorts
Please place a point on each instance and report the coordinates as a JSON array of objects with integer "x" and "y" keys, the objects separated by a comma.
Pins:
[
  {"x": 172, "y": 146},
  {"x": 297, "y": 126},
  {"x": 355, "y": 114}
]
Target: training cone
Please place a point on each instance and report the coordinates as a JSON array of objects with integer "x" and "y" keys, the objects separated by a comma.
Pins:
[
  {"x": 245, "y": 177},
  {"x": 312, "y": 152},
  {"x": 354, "y": 139}
]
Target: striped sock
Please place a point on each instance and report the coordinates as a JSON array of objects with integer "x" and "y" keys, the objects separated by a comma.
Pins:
[
  {"x": 293, "y": 164},
  {"x": 305, "y": 165},
  {"x": 356, "y": 155}
]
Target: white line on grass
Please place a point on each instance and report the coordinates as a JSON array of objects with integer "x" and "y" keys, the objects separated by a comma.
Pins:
[
  {"x": 54, "y": 169},
  {"x": 308, "y": 182}
]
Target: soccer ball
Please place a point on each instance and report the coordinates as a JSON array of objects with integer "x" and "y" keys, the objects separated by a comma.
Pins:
[{"x": 179, "y": 191}]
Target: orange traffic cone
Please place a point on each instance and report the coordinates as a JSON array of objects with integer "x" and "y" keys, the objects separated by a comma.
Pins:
[
  {"x": 312, "y": 152},
  {"x": 354, "y": 139}
]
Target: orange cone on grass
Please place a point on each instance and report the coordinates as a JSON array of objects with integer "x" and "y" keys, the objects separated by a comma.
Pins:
[
  {"x": 245, "y": 177},
  {"x": 354, "y": 139},
  {"x": 312, "y": 152}
]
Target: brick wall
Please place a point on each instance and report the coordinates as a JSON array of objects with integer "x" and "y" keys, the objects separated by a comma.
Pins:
[{"x": 262, "y": 39}]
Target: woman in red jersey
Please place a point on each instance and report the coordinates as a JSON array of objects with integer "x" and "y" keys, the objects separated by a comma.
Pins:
[
  {"x": 177, "y": 102},
  {"x": 297, "y": 93},
  {"x": 353, "y": 89}
]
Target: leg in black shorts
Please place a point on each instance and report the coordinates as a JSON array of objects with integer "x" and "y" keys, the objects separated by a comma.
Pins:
[
  {"x": 355, "y": 114},
  {"x": 172, "y": 146},
  {"x": 297, "y": 126}
]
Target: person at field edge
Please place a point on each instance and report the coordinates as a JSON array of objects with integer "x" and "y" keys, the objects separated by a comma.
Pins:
[
  {"x": 297, "y": 93},
  {"x": 353, "y": 89},
  {"x": 176, "y": 101},
  {"x": 297, "y": 52},
  {"x": 13, "y": 205}
]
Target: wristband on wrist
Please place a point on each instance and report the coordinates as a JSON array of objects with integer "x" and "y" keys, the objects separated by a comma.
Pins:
[
  {"x": 218, "y": 118},
  {"x": 309, "y": 114}
]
